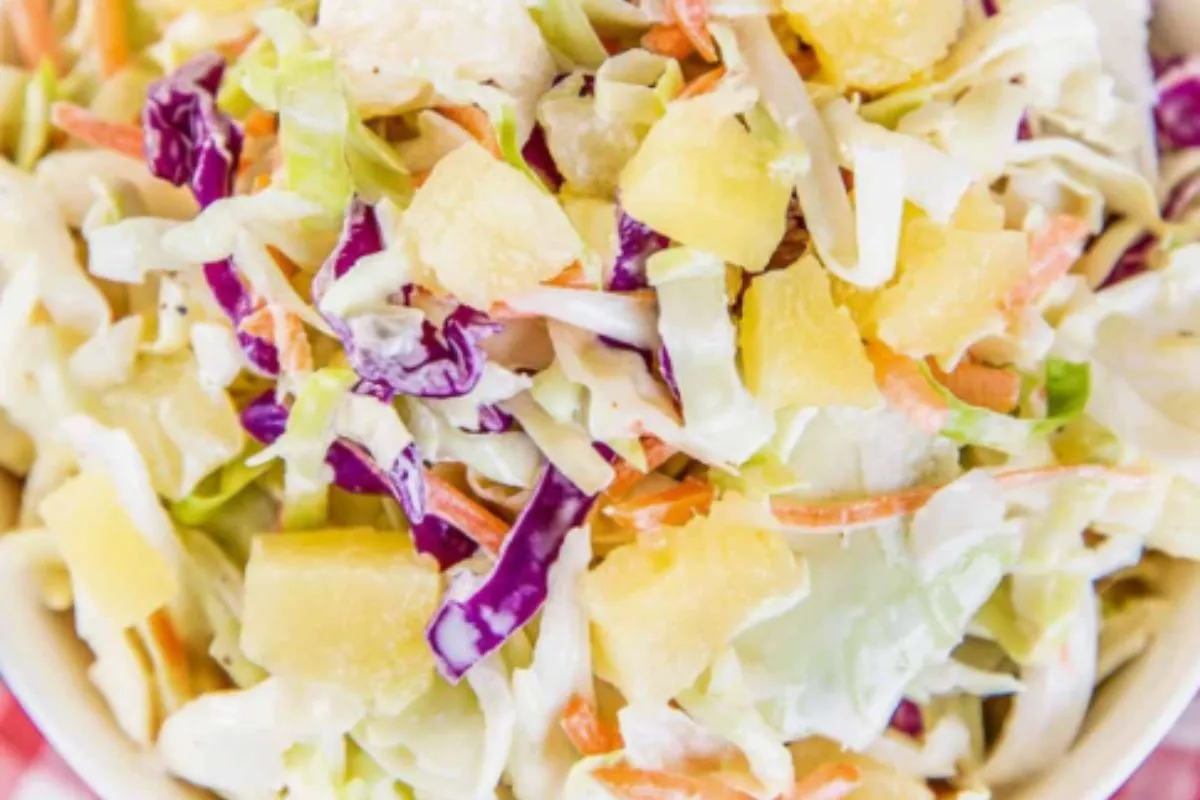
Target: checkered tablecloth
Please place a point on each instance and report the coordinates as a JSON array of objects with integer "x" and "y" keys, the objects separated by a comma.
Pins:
[{"x": 31, "y": 770}]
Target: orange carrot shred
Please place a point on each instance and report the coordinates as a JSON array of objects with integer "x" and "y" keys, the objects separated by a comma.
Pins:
[
  {"x": 1052, "y": 252},
  {"x": 827, "y": 782},
  {"x": 283, "y": 329},
  {"x": 674, "y": 506},
  {"x": 669, "y": 41},
  {"x": 573, "y": 277},
  {"x": 806, "y": 63},
  {"x": 259, "y": 323},
  {"x": 627, "y": 476},
  {"x": 85, "y": 126},
  {"x": 231, "y": 50},
  {"x": 464, "y": 513},
  {"x": 994, "y": 388},
  {"x": 836, "y": 515},
  {"x": 262, "y": 181},
  {"x": 260, "y": 123},
  {"x": 905, "y": 387},
  {"x": 591, "y": 735},
  {"x": 295, "y": 352},
  {"x": 112, "y": 35},
  {"x": 628, "y": 783},
  {"x": 703, "y": 84},
  {"x": 474, "y": 121},
  {"x": 692, "y": 17},
  {"x": 34, "y": 31}
]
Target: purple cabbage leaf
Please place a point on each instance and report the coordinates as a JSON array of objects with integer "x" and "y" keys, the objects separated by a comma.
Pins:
[
  {"x": 189, "y": 141},
  {"x": 473, "y": 623},
  {"x": 355, "y": 471}
]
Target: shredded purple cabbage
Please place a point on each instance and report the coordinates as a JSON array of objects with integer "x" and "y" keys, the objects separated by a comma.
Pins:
[
  {"x": 360, "y": 237},
  {"x": 1133, "y": 262},
  {"x": 188, "y": 141},
  {"x": 989, "y": 7},
  {"x": 1136, "y": 259},
  {"x": 431, "y": 363},
  {"x": 466, "y": 629},
  {"x": 536, "y": 153},
  {"x": 355, "y": 471},
  {"x": 386, "y": 350},
  {"x": 234, "y": 299},
  {"x": 443, "y": 541},
  {"x": 493, "y": 419},
  {"x": 1182, "y": 198},
  {"x": 636, "y": 242},
  {"x": 1178, "y": 109},
  {"x": 907, "y": 719},
  {"x": 667, "y": 372}
]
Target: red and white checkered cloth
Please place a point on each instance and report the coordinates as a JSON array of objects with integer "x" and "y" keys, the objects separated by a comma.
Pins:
[{"x": 31, "y": 770}]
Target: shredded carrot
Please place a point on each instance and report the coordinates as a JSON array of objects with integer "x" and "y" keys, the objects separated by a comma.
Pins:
[
  {"x": 674, "y": 506},
  {"x": 288, "y": 267},
  {"x": 1052, "y": 252},
  {"x": 33, "y": 29},
  {"x": 703, "y": 84},
  {"x": 692, "y": 17},
  {"x": 573, "y": 277},
  {"x": 259, "y": 323},
  {"x": 231, "y": 50},
  {"x": 669, "y": 41},
  {"x": 85, "y": 126},
  {"x": 591, "y": 735},
  {"x": 628, "y": 783},
  {"x": 295, "y": 351},
  {"x": 980, "y": 385},
  {"x": 474, "y": 121},
  {"x": 827, "y": 782},
  {"x": 905, "y": 387},
  {"x": 260, "y": 123},
  {"x": 837, "y": 515},
  {"x": 262, "y": 181},
  {"x": 112, "y": 35},
  {"x": 806, "y": 63},
  {"x": 283, "y": 329},
  {"x": 657, "y": 452},
  {"x": 464, "y": 513}
]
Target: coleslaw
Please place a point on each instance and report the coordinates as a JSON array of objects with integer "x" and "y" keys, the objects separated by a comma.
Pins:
[{"x": 601, "y": 399}]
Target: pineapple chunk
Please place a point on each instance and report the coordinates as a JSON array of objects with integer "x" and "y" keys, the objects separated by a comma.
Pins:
[
  {"x": 123, "y": 575},
  {"x": 484, "y": 231},
  {"x": 876, "y": 44},
  {"x": 951, "y": 285},
  {"x": 662, "y": 608},
  {"x": 703, "y": 180},
  {"x": 978, "y": 211},
  {"x": 877, "y": 781},
  {"x": 347, "y": 607},
  {"x": 798, "y": 348}
]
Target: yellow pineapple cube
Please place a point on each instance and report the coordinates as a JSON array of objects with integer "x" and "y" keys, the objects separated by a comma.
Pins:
[
  {"x": 876, "y": 44},
  {"x": 798, "y": 348},
  {"x": 703, "y": 180},
  {"x": 978, "y": 211},
  {"x": 347, "y": 607},
  {"x": 662, "y": 607},
  {"x": 124, "y": 576},
  {"x": 951, "y": 286},
  {"x": 484, "y": 231}
]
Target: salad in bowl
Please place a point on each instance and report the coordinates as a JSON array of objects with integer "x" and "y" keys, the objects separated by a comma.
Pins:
[{"x": 595, "y": 399}]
